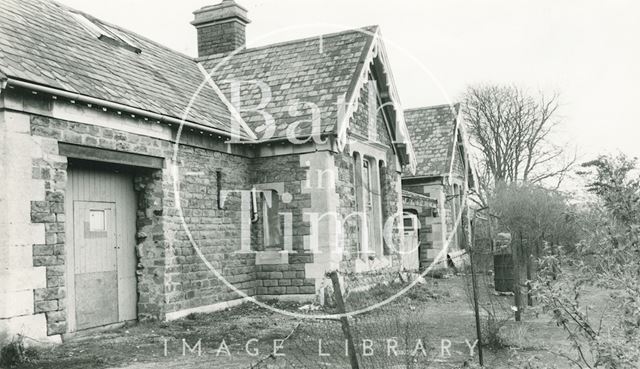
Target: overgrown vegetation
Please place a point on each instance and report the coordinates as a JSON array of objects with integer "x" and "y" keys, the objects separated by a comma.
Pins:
[
  {"x": 607, "y": 257},
  {"x": 566, "y": 254},
  {"x": 15, "y": 353},
  {"x": 491, "y": 332},
  {"x": 588, "y": 264}
]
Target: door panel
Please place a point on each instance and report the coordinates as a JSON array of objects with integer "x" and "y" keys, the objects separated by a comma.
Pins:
[
  {"x": 96, "y": 284},
  {"x": 409, "y": 254},
  {"x": 96, "y": 299}
]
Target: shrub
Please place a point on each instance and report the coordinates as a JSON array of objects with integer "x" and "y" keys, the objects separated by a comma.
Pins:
[
  {"x": 438, "y": 273},
  {"x": 491, "y": 336},
  {"x": 608, "y": 259},
  {"x": 15, "y": 353}
]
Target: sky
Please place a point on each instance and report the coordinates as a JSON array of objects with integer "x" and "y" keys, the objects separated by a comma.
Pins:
[{"x": 587, "y": 51}]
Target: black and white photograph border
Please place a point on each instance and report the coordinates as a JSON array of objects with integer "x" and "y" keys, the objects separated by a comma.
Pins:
[{"x": 318, "y": 184}]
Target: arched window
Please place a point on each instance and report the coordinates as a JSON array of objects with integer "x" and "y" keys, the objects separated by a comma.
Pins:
[
  {"x": 382, "y": 172},
  {"x": 367, "y": 185},
  {"x": 357, "y": 187}
]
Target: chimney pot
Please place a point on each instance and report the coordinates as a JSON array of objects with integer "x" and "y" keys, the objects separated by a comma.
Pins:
[{"x": 221, "y": 28}]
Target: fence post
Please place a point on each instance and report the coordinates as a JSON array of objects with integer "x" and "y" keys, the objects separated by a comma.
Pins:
[
  {"x": 476, "y": 309},
  {"x": 344, "y": 321},
  {"x": 470, "y": 238},
  {"x": 491, "y": 244},
  {"x": 529, "y": 275}
]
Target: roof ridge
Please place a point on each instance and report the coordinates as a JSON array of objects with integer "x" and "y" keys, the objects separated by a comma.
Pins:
[
  {"x": 432, "y": 107},
  {"x": 369, "y": 30}
]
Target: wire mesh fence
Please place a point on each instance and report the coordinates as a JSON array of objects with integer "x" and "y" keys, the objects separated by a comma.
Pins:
[
  {"x": 397, "y": 328},
  {"x": 392, "y": 335}
]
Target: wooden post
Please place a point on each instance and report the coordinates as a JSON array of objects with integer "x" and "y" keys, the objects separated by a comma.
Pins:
[
  {"x": 469, "y": 246},
  {"x": 476, "y": 307},
  {"x": 344, "y": 321},
  {"x": 470, "y": 237},
  {"x": 529, "y": 274},
  {"x": 489, "y": 219}
]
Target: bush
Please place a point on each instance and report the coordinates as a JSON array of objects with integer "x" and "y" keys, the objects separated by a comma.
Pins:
[
  {"x": 516, "y": 335},
  {"x": 607, "y": 258},
  {"x": 491, "y": 336},
  {"x": 15, "y": 353},
  {"x": 438, "y": 273}
]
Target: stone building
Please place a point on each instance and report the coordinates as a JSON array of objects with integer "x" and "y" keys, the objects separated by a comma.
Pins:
[
  {"x": 438, "y": 135},
  {"x": 140, "y": 183}
]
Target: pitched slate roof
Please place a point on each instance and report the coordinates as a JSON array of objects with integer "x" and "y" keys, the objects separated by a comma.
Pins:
[
  {"x": 312, "y": 70},
  {"x": 42, "y": 42},
  {"x": 432, "y": 133}
]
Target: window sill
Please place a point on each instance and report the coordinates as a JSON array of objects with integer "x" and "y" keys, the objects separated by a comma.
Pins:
[
  {"x": 274, "y": 248},
  {"x": 367, "y": 256},
  {"x": 270, "y": 257}
]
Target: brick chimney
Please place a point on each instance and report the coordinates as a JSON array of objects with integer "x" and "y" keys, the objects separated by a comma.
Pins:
[{"x": 221, "y": 28}]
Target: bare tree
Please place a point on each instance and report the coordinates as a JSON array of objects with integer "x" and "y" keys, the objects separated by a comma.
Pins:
[{"x": 512, "y": 129}]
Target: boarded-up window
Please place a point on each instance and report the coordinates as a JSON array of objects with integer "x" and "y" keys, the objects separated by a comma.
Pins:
[{"x": 271, "y": 225}]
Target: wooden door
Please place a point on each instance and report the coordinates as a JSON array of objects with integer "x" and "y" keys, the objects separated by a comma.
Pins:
[
  {"x": 96, "y": 267},
  {"x": 410, "y": 255},
  {"x": 101, "y": 260}
]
